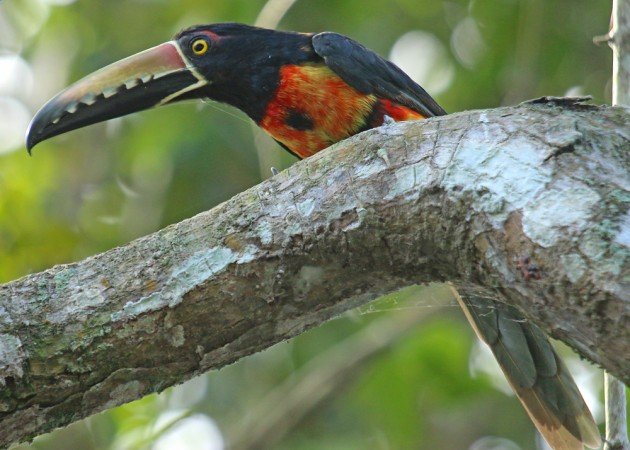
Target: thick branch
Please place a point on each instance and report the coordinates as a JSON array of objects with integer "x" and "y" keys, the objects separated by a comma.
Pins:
[{"x": 463, "y": 197}]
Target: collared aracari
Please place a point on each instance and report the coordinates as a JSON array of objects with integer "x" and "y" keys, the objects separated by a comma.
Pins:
[{"x": 309, "y": 91}]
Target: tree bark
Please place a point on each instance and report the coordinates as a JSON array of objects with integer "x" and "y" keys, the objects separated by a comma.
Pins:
[{"x": 529, "y": 203}]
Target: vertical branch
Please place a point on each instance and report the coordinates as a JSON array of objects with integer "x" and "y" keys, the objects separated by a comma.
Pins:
[
  {"x": 619, "y": 41},
  {"x": 615, "y": 390},
  {"x": 616, "y": 422},
  {"x": 272, "y": 13}
]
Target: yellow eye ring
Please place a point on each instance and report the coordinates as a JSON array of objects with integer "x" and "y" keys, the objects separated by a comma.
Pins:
[{"x": 199, "y": 47}]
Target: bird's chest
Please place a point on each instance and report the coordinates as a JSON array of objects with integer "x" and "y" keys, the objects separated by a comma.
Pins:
[{"x": 314, "y": 108}]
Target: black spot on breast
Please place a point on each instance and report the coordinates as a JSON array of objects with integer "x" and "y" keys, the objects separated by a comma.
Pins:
[{"x": 299, "y": 120}]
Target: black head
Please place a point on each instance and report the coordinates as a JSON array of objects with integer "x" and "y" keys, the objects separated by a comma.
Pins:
[
  {"x": 229, "y": 62},
  {"x": 241, "y": 62}
]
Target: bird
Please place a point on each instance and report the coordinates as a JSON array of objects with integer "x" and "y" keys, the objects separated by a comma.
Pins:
[{"x": 309, "y": 91}]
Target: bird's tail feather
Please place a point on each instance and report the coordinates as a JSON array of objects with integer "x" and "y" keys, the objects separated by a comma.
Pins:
[{"x": 535, "y": 371}]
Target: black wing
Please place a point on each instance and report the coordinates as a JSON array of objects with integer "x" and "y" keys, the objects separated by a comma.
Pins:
[{"x": 368, "y": 73}]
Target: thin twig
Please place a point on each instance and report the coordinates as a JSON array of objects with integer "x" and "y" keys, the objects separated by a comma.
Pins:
[
  {"x": 615, "y": 390},
  {"x": 620, "y": 44},
  {"x": 272, "y": 13},
  {"x": 616, "y": 423}
]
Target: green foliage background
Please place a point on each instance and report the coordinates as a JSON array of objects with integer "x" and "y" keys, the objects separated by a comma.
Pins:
[{"x": 100, "y": 187}]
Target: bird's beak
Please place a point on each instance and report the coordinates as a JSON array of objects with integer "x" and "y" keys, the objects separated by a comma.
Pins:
[{"x": 153, "y": 77}]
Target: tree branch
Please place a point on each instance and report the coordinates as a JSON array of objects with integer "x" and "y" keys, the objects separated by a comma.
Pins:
[
  {"x": 619, "y": 41},
  {"x": 614, "y": 389},
  {"x": 531, "y": 202}
]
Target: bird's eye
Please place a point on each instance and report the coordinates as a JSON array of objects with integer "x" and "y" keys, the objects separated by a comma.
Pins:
[{"x": 199, "y": 47}]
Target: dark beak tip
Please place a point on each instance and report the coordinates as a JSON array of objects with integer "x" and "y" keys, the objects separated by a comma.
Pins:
[
  {"x": 39, "y": 129},
  {"x": 30, "y": 143},
  {"x": 32, "y": 138}
]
